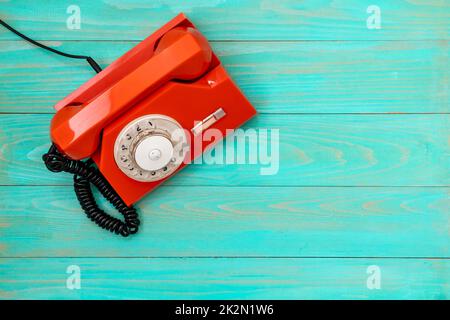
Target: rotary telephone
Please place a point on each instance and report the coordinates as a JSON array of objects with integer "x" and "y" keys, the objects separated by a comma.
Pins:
[{"x": 137, "y": 119}]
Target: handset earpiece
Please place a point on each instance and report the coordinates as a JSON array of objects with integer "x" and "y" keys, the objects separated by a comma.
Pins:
[
  {"x": 198, "y": 63},
  {"x": 181, "y": 54}
]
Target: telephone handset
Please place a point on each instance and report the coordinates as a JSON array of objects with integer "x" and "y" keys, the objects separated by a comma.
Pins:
[
  {"x": 181, "y": 54},
  {"x": 142, "y": 119}
]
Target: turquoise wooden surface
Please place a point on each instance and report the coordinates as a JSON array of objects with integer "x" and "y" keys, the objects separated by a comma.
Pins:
[
  {"x": 302, "y": 77},
  {"x": 236, "y": 19},
  {"x": 235, "y": 221},
  {"x": 225, "y": 278},
  {"x": 363, "y": 117},
  {"x": 314, "y": 150}
]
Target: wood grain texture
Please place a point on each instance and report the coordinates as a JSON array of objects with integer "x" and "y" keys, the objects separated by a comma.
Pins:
[
  {"x": 314, "y": 150},
  {"x": 234, "y": 221},
  {"x": 364, "y": 157},
  {"x": 234, "y": 20},
  {"x": 305, "y": 77},
  {"x": 224, "y": 279}
]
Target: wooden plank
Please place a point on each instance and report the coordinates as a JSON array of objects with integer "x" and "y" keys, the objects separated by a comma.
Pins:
[
  {"x": 234, "y": 20},
  {"x": 224, "y": 279},
  {"x": 234, "y": 221},
  {"x": 277, "y": 77},
  {"x": 314, "y": 150}
]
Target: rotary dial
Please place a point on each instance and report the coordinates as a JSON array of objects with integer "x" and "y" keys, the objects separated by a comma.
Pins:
[{"x": 150, "y": 148}]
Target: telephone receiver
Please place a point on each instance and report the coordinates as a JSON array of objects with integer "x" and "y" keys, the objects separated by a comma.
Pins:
[
  {"x": 181, "y": 54},
  {"x": 142, "y": 119}
]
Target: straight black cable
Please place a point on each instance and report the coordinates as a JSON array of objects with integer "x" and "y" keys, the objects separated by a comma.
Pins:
[
  {"x": 91, "y": 61},
  {"x": 84, "y": 174}
]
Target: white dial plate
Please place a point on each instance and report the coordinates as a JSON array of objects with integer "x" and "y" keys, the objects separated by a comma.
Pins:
[{"x": 150, "y": 148}]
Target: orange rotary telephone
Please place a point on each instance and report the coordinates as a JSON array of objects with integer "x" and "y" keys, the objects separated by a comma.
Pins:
[{"x": 137, "y": 120}]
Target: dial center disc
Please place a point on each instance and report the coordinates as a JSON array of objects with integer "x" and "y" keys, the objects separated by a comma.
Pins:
[{"x": 153, "y": 153}]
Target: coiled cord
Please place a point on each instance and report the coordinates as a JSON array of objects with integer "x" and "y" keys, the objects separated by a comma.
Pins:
[{"x": 84, "y": 175}]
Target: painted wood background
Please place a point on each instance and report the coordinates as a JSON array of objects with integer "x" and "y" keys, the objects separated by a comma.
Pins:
[{"x": 364, "y": 166}]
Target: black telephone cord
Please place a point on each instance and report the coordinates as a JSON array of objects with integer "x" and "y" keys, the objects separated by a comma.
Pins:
[
  {"x": 84, "y": 173},
  {"x": 91, "y": 61}
]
